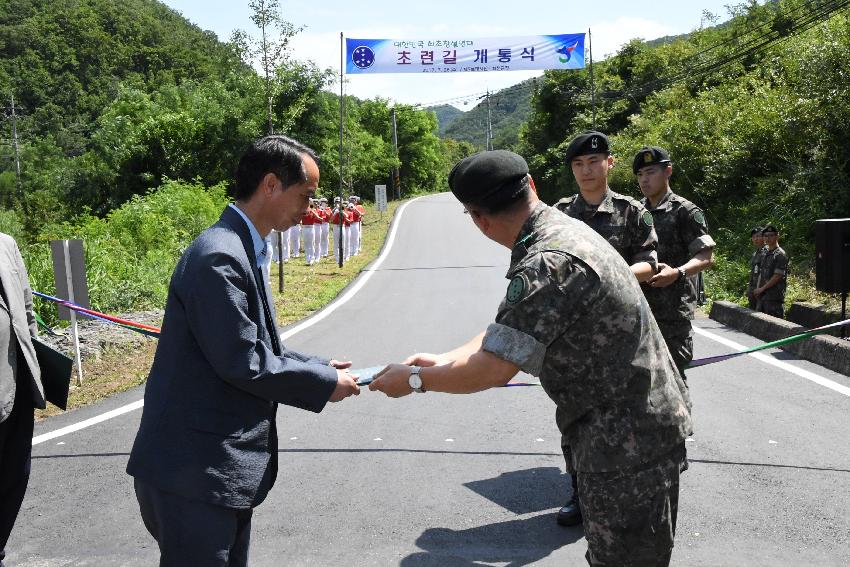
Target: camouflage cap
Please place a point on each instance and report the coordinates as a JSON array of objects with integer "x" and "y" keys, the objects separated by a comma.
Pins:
[
  {"x": 769, "y": 229},
  {"x": 650, "y": 155}
]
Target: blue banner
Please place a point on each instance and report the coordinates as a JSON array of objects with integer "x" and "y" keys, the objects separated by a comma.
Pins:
[{"x": 529, "y": 53}]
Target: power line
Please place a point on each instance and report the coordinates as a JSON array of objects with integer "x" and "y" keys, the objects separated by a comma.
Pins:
[
  {"x": 777, "y": 29},
  {"x": 752, "y": 46}
]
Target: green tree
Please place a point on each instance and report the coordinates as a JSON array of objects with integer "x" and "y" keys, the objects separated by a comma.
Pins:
[{"x": 269, "y": 51}]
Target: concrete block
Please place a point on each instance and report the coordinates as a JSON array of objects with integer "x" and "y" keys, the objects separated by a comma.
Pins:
[
  {"x": 825, "y": 350},
  {"x": 811, "y": 315}
]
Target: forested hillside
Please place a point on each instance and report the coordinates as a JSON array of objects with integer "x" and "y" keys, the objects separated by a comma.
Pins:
[
  {"x": 446, "y": 114},
  {"x": 125, "y": 109},
  {"x": 753, "y": 112},
  {"x": 509, "y": 110}
]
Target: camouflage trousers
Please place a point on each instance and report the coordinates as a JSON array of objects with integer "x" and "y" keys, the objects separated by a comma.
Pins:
[
  {"x": 774, "y": 308},
  {"x": 752, "y": 302},
  {"x": 629, "y": 516},
  {"x": 680, "y": 342},
  {"x": 562, "y": 423}
]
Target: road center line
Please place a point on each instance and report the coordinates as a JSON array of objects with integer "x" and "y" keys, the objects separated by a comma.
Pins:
[
  {"x": 811, "y": 376},
  {"x": 307, "y": 323}
]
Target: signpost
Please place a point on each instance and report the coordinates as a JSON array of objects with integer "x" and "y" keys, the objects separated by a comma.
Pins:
[
  {"x": 69, "y": 274},
  {"x": 381, "y": 198}
]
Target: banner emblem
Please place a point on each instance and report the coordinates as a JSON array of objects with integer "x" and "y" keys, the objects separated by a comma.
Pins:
[
  {"x": 363, "y": 57},
  {"x": 567, "y": 52}
]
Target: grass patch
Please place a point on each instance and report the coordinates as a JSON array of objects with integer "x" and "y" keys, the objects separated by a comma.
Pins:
[
  {"x": 309, "y": 288},
  {"x": 116, "y": 370}
]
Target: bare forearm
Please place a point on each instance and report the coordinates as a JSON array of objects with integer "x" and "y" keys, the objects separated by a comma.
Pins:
[
  {"x": 466, "y": 375},
  {"x": 771, "y": 282},
  {"x": 642, "y": 271},
  {"x": 701, "y": 261}
]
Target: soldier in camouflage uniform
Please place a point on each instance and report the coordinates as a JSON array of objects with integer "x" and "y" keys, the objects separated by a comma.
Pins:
[
  {"x": 773, "y": 272},
  {"x": 755, "y": 265},
  {"x": 684, "y": 250},
  {"x": 574, "y": 315},
  {"x": 620, "y": 220}
]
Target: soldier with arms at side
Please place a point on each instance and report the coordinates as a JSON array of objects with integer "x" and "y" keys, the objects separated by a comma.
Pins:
[
  {"x": 755, "y": 265},
  {"x": 773, "y": 273}
]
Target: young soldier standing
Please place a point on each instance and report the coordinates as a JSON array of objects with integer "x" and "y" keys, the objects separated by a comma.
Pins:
[
  {"x": 755, "y": 265},
  {"x": 770, "y": 292},
  {"x": 624, "y": 223},
  {"x": 684, "y": 249}
]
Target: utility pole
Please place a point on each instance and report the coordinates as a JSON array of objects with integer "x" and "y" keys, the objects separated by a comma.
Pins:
[
  {"x": 17, "y": 159},
  {"x": 489, "y": 124},
  {"x": 592, "y": 88},
  {"x": 396, "y": 176},
  {"x": 341, "y": 117},
  {"x": 488, "y": 128}
]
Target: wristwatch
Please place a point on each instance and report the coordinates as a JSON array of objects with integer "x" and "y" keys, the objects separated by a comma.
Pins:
[
  {"x": 682, "y": 273},
  {"x": 415, "y": 380}
]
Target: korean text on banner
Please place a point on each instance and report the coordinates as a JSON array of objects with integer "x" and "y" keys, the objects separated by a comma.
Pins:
[{"x": 565, "y": 51}]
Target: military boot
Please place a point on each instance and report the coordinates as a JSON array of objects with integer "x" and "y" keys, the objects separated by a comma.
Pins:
[{"x": 570, "y": 514}]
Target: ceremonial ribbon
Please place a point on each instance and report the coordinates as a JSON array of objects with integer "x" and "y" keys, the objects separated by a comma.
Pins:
[
  {"x": 155, "y": 332},
  {"x": 148, "y": 330},
  {"x": 719, "y": 358},
  {"x": 780, "y": 342}
]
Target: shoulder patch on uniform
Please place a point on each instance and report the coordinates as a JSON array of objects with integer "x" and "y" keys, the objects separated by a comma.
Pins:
[
  {"x": 699, "y": 217},
  {"x": 516, "y": 289},
  {"x": 647, "y": 218}
]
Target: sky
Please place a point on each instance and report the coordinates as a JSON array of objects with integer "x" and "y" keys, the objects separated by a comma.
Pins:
[{"x": 612, "y": 24}]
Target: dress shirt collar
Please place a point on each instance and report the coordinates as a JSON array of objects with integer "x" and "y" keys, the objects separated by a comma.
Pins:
[{"x": 258, "y": 241}]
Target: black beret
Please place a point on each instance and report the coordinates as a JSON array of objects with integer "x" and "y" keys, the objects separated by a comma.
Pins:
[
  {"x": 590, "y": 142},
  {"x": 480, "y": 177},
  {"x": 649, "y": 155},
  {"x": 769, "y": 229},
  {"x": 756, "y": 230}
]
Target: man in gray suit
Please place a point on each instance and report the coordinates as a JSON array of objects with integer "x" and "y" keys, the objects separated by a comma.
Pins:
[
  {"x": 206, "y": 451},
  {"x": 20, "y": 384}
]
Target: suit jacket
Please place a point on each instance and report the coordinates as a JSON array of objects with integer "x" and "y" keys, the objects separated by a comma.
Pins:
[
  {"x": 208, "y": 425},
  {"x": 18, "y": 304}
]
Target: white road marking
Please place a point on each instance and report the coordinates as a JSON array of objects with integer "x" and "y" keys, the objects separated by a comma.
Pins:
[
  {"x": 309, "y": 322},
  {"x": 811, "y": 376},
  {"x": 87, "y": 423},
  {"x": 361, "y": 281}
]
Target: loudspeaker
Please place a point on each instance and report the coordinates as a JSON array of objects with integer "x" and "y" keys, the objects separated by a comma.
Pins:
[{"x": 832, "y": 260}]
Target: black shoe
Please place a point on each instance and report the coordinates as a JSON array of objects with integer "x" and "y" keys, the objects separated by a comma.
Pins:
[{"x": 570, "y": 514}]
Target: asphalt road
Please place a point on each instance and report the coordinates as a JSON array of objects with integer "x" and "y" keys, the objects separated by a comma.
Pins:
[{"x": 441, "y": 480}]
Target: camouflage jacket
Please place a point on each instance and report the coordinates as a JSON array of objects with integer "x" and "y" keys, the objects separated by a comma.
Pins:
[
  {"x": 621, "y": 220},
  {"x": 773, "y": 262},
  {"x": 574, "y": 315},
  {"x": 682, "y": 233},
  {"x": 755, "y": 266}
]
